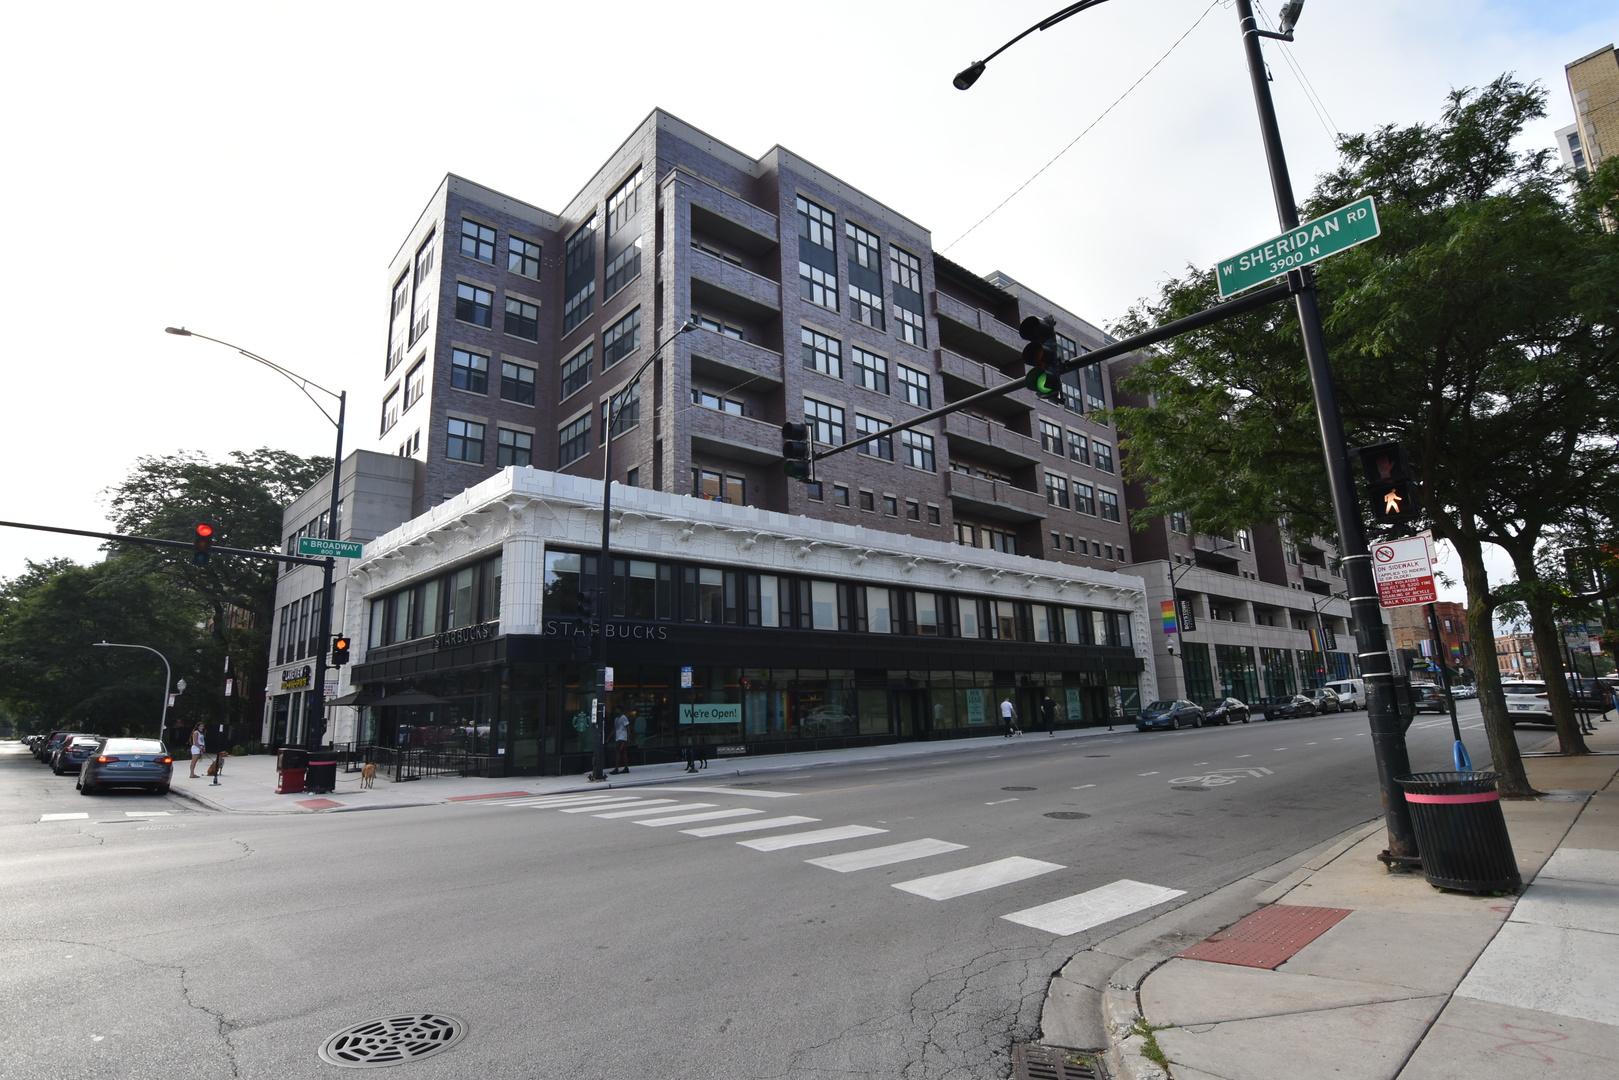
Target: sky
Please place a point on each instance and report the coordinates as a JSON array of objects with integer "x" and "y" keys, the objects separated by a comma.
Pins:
[{"x": 248, "y": 171}]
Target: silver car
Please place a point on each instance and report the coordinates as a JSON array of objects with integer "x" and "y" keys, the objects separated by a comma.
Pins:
[{"x": 143, "y": 763}]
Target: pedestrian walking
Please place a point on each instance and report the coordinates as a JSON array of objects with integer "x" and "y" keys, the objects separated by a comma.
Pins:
[
  {"x": 198, "y": 744},
  {"x": 1009, "y": 717},
  {"x": 621, "y": 736},
  {"x": 1048, "y": 713}
]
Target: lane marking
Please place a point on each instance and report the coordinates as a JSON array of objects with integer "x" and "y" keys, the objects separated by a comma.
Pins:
[
  {"x": 726, "y": 791},
  {"x": 649, "y": 810},
  {"x": 750, "y": 826},
  {"x": 587, "y": 808},
  {"x": 1244, "y": 755},
  {"x": 64, "y": 817},
  {"x": 1153, "y": 773},
  {"x": 977, "y": 878},
  {"x": 712, "y": 815},
  {"x": 146, "y": 813},
  {"x": 599, "y": 806},
  {"x": 884, "y": 856},
  {"x": 1084, "y": 910},
  {"x": 998, "y": 802},
  {"x": 558, "y": 800},
  {"x": 819, "y": 836},
  {"x": 1082, "y": 787}
]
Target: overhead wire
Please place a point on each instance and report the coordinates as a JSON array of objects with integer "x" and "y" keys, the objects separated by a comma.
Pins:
[{"x": 1310, "y": 95}]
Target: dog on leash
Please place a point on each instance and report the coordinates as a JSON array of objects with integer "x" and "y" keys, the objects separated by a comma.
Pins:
[
  {"x": 368, "y": 773},
  {"x": 696, "y": 757}
]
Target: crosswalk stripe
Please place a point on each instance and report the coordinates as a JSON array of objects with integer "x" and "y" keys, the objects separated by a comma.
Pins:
[
  {"x": 819, "y": 836},
  {"x": 650, "y": 810},
  {"x": 977, "y": 878},
  {"x": 750, "y": 826},
  {"x": 63, "y": 817},
  {"x": 883, "y": 856},
  {"x": 682, "y": 819},
  {"x": 628, "y": 800},
  {"x": 558, "y": 800},
  {"x": 146, "y": 813},
  {"x": 1072, "y": 914}
]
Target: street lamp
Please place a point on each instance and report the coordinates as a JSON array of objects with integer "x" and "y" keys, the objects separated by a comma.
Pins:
[
  {"x": 163, "y": 716},
  {"x": 604, "y": 565},
  {"x": 1388, "y": 734},
  {"x": 315, "y": 713}
]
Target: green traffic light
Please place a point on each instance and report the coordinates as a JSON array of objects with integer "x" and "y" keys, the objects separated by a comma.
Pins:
[{"x": 1044, "y": 383}]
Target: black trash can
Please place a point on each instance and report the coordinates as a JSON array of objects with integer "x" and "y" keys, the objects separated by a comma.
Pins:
[
  {"x": 320, "y": 776},
  {"x": 1461, "y": 833}
]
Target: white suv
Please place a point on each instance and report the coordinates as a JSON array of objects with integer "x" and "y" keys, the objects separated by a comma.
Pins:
[{"x": 1526, "y": 701}]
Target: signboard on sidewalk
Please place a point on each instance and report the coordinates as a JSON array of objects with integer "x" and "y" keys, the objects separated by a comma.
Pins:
[{"x": 1403, "y": 571}]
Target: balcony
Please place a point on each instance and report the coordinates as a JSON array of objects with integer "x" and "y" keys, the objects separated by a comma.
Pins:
[
  {"x": 734, "y": 362},
  {"x": 991, "y": 442},
  {"x": 964, "y": 377},
  {"x": 738, "y": 438},
  {"x": 976, "y": 330},
  {"x": 993, "y": 499},
  {"x": 717, "y": 285},
  {"x": 728, "y": 219}
]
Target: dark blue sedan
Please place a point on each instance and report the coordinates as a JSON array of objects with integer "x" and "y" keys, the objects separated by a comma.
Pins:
[
  {"x": 1169, "y": 715},
  {"x": 72, "y": 753},
  {"x": 128, "y": 763}
]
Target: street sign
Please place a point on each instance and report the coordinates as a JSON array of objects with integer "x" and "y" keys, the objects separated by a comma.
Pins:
[
  {"x": 1311, "y": 242},
  {"x": 1403, "y": 571},
  {"x": 685, "y": 678},
  {"x": 337, "y": 549}
]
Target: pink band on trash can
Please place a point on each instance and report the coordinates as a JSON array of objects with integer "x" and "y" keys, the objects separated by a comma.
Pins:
[{"x": 1483, "y": 796}]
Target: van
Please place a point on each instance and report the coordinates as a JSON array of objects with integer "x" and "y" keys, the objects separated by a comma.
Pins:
[{"x": 1351, "y": 692}]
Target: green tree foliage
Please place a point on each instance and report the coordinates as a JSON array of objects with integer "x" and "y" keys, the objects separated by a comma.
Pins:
[{"x": 1477, "y": 330}]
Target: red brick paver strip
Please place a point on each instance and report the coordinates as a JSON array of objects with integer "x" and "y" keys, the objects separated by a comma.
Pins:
[
  {"x": 318, "y": 804},
  {"x": 1267, "y": 938}
]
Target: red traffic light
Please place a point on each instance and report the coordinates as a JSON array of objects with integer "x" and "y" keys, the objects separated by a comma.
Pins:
[
  {"x": 340, "y": 651},
  {"x": 202, "y": 543}
]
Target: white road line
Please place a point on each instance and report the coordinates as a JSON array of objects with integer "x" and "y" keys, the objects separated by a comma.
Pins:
[
  {"x": 998, "y": 802},
  {"x": 649, "y": 810},
  {"x": 727, "y": 791},
  {"x": 63, "y": 817},
  {"x": 819, "y": 836},
  {"x": 1082, "y": 787},
  {"x": 1278, "y": 748},
  {"x": 712, "y": 815},
  {"x": 557, "y": 800},
  {"x": 750, "y": 826},
  {"x": 1195, "y": 764},
  {"x": 977, "y": 878},
  {"x": 883, "y": 856},
  {"x": 1244, "y": 755},
  {"x": 628, "y": 800},
  {"x": 146, "y": 813},
  {"x": 1072, "y": 914},
  {"x": 1154, "y": 773}
]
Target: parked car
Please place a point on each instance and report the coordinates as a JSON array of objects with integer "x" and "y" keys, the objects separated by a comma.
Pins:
[
  {"x": 72, "y": 753},
  {"x": 1326, "y": 699},
  {"x": 52, "y": 743},
  {"x": 125, "y": 762},
  {"x": 1351, "y": 692},
  {"x": 1465, "y": 690},
  {"x": 1170, "y": 714},
  {"x": 1526, "y": 701},
  {"x": 1299, "y": 705},
  {"x": 1426, "y": 697},
  {"x": 1589, "y": 694},
  {"x": 1226, "y": 710}
]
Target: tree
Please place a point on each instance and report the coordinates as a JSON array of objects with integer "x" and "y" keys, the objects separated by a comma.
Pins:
[{"x": 1476, "y": 331}]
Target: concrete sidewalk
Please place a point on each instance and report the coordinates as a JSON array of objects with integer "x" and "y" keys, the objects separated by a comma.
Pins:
[
  {"x": 1406, "y": 980},
  {"x": 248, "y": 784}
]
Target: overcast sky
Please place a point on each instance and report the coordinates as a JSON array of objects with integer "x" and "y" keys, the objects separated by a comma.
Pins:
[{"x": 249, "y": 171}]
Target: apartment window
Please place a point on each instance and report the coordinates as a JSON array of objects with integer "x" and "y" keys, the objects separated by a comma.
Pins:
[
  {"x": 1095, "y": 401},
  {"x": 715, "y": 401},
  {"x": 1109, "y": 504},
  {"x": 477, "y": 241},
  {"x": 576, "y": 372},
  {"x": 1179, "y": 523},
  {"x": 814, "y": 492},
  {"x": 718, "y": 486},
  {"x": 1067, "y": 348},
  {"x": 878, "y": 448},
  {"x": 469, "y": 371},
  {"x": 915, "y": 387},
  {"x": 579, "y": 276},
  {"x": 522, "y": 319},
  {"x": 621, "y": 339},
  {"x": 573, "y": 441},
  {"x": 1057, "y": 490},
  {"x": 416, "y": 383},
  {"x": 840, "y": 494},
  {"x": 514, "y": 448},
  {"x": 905, "y": 271},
  {"x": 825, "y": 422},
  {"x": 868, "y": 501},
  {"x": 966, "y": 535},
  {"x": 1072, "y": 399},
  {"x": 714, "y": 325},
  {"x": 623, "y": 203},
  {"x": 913, "y": 510},
  {"x": 918, "y": 450},
  {"x": 1056, "y": 542},
  {"x": 474, "y": 305},
  {"x": 822, "y": 353},
  {"x": 398, "y": 323},
  {"x": 623, "y": 237},
  {"x": 633, "y": 477},
  {"x": 516, "y": 383},
  {"x": 1102, "y": 453},
  {"x": 523, "y": 257},
  {"x": 817, "y": 255},
  {"x": 390, "y": 410},
  {"x": 865, "y": 276},
  {"x": 891, "y": 506},
  {"x": 1050, "y": 437},
  {"x": 623, "y": 410},
  {"x": 624, "y": 267},
  {"x": 422, "y": 302},
  {"x": 463, "y": 441},
  {"x": 870, "y": 370},
  {"x": 1245, "y": 540},
  {"x": 1084, "y": 498},
  {"x": 1079, "y": 448},
  {"x": 933, "y": 515}
]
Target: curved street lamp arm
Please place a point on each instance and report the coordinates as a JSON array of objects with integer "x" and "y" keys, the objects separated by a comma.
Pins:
[
  {"x": 293, "y": 377},
  {"x": 968, "y": 76}
]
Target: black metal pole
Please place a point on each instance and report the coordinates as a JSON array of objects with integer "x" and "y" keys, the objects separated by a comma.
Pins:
[
  {"x": 1388, "y": 738},
  {"x": 315, "y": 720}
]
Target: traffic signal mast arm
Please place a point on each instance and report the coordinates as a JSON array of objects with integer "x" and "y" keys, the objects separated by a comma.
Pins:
[
  {"x": 1271, "y": 294},
  {"x": 188, "y": 545}
]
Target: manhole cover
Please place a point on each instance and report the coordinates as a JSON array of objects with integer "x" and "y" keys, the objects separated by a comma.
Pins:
[
  {"x": 1067, "y": 815},
  {"x": 1019, "y": 789},
  {"x": 1188, "y": 787},
  {"x": 1031, "y": 1061},
  {"x": 392, "y": 1040}
]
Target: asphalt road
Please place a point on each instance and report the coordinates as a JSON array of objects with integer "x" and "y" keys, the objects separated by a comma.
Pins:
[{"x": 581, "y": 946}]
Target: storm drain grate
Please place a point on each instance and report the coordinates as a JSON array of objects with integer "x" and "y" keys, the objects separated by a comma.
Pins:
[
  {"x": 1031, "y": 1061},
  {"x": 392, "y": 1040},
  {"x": 1019, "y": 789},
  {"x": 1067, "y": 815}
]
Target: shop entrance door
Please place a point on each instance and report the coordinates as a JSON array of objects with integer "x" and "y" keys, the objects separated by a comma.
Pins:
[
  {"x": 526, "y": 732},
  {"x": 911, "y": 717}
]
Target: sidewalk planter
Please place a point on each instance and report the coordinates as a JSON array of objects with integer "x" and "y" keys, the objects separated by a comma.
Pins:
[{"x": 1461, "y": 833}]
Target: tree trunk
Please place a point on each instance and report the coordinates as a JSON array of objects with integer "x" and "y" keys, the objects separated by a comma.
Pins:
[
  {"x": 1549, "y": 644},
  {"x": 1504, "y": 756}
]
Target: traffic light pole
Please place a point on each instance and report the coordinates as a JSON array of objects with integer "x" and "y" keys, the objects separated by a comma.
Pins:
[
  {"x": 1388, "y": 734},
  {"x": 315, "y": 720}
]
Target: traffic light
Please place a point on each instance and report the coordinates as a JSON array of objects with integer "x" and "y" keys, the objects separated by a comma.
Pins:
[
  {"x": 202, "y": 543},
  {"x": 1042, "y": 357},
  {"x": 587, "y": 604},
  {"x": 1389, "y": 488},
  {"x": 795, "y": 452},
  {"x": 340, "y": 651}
]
